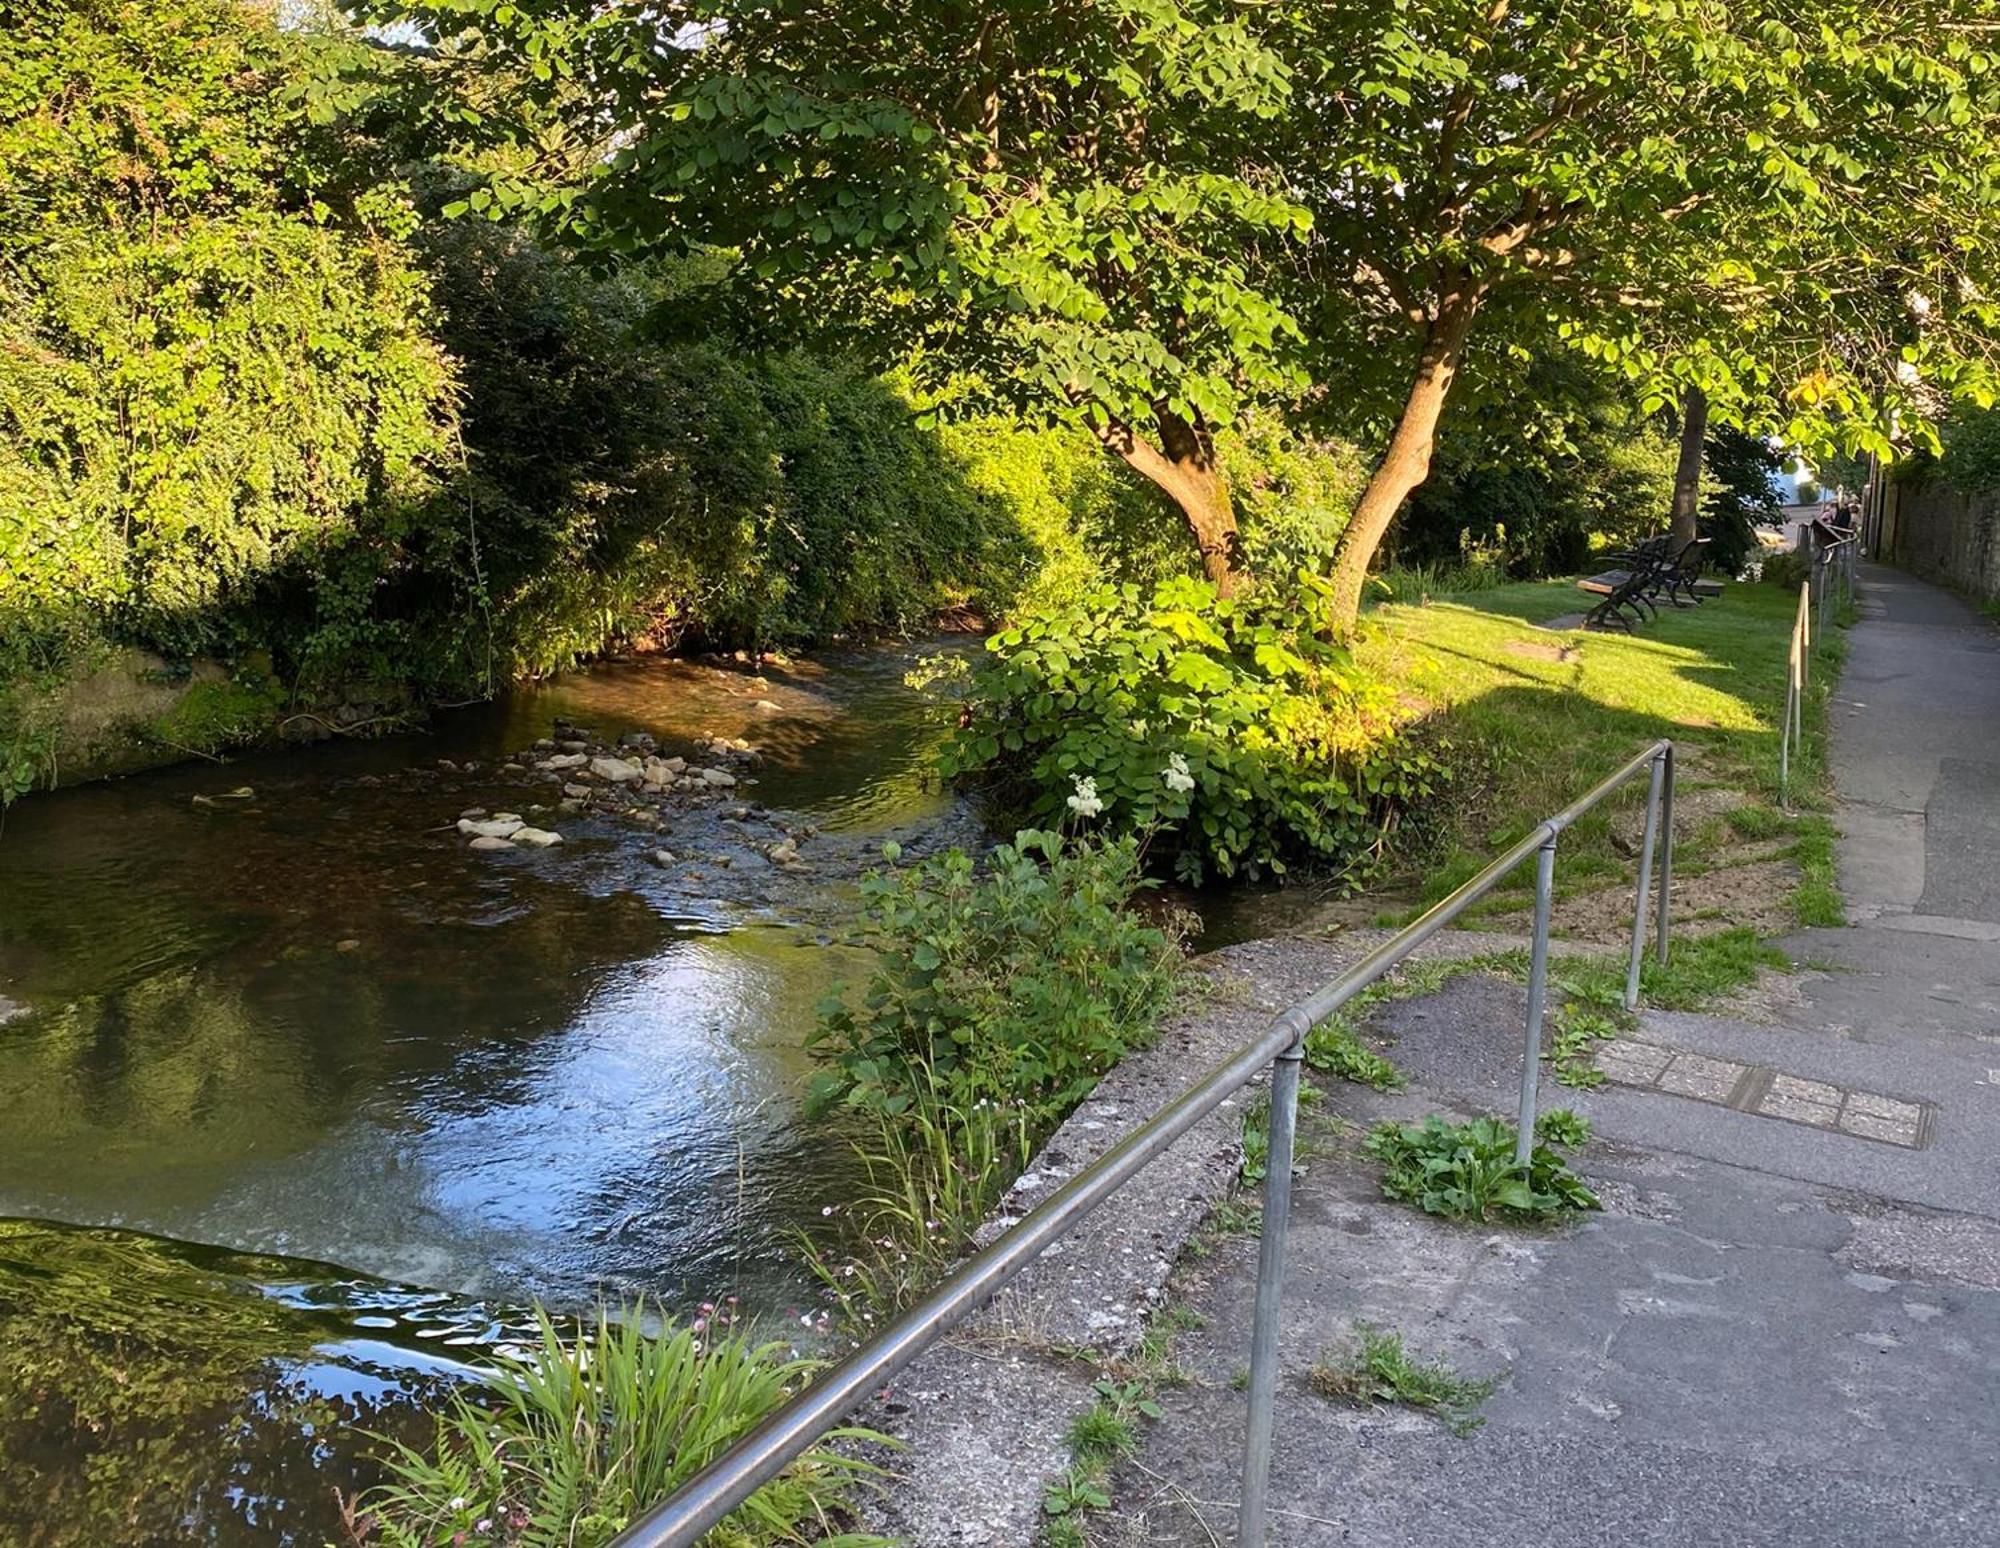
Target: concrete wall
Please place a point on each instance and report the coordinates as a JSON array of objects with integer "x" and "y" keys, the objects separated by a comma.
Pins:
[{"x": 1943, "y": 534}]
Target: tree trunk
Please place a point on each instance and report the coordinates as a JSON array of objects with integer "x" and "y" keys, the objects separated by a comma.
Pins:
[
  {"x": 1406, "y": 462},
  {"x": 1687, "y": 476},
  {"x": 1184, "y": 468}
]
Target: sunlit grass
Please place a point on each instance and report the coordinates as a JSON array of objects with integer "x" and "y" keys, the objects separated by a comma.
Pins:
[{"x": 1533, "y": 716}]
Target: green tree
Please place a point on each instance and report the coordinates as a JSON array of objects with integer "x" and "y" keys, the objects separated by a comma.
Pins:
[
  {"x": 1694, "y": 193},
  {"x": 1074, "y": 207}
]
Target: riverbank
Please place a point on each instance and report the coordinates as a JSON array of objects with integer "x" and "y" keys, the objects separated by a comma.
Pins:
[
  {"x": 1543, "y": 712},
  {"x": 315, "y": 1021}
]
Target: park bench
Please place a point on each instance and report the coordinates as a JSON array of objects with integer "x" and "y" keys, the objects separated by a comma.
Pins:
[{"x": 1652, "y": 571}]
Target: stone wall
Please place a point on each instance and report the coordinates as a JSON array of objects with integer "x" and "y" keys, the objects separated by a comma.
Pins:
[{"x": 1936, "y": 530}]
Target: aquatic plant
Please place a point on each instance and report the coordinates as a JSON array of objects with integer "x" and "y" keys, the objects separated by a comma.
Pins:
[{"x": 568, "y": 1442}]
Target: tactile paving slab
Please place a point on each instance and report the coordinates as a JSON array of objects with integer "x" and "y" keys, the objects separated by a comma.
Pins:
[{"x": 1766, "y": 1092}]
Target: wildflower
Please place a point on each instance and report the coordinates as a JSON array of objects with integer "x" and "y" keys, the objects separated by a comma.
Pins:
[
  {"x": 1906, "y": 373},
  {"x": 1919, "y": 303},
  {"x": 1085, "y": 802},
  {"x": 1177, "y": 777},
  {"x": 458, "y": 1502}
]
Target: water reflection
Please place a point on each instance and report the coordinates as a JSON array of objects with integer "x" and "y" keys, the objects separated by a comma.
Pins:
[
  {"x": 154, "y": 1393},
  {"x": 308, "y": 1025}
]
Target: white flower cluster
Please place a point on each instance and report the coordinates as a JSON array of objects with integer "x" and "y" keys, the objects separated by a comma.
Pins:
[
  {"x": 1085, "y": 802},
  {"x": 1177, "y": 777}
]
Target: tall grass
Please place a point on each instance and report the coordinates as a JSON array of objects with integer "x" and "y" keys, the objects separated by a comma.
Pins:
[
  {"x": 569, "y": 1441},
  {"x": 934, "y": 1172},
  {"x": 1418, "y": 583}
]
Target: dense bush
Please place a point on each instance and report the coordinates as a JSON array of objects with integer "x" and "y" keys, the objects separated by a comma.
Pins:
[
  {"x": 200, "y": 381},
  {"x": 1972, "y": 450},
  {"x": 1229, "y": 731},
  {"x": 619, "y": 484},
  {"x": 1018, "y": 984},
  {"x": 1001, "y": 994}
]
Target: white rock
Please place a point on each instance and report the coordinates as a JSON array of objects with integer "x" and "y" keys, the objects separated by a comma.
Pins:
[
  {"x": 541, "y": 838},
  {"x": 766, "y": 707},
  {"x": 577, "y": 792},
  {"x": 674, "y": 765},
  {"x": 493, "y": 827},
  {"x": 786, "y": 853},
  {"x": 718, "y": 777},
  {"x": 663, "y": 857},
  {"x": 487, "y": 841},
  {"x": 566, "y": 761},
  {"x": 616, "y": 770}
]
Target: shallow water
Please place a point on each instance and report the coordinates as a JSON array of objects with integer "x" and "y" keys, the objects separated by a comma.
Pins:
[
  {"x": 310, "y": 1025},
  {"x": 302, "y": 1102}
]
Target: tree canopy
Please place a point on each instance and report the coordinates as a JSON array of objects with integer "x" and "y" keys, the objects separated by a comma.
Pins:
[
  {"x": 1737, "y": 197},
  {"x": 1151, "y": 212},
  {"x": 1074, "y": 207}
]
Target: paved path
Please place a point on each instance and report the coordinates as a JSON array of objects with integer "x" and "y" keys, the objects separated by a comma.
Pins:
[{"x": 1785, "y": 1325}]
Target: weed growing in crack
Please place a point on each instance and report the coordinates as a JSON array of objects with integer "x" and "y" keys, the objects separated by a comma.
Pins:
[
  {"x": 1573, "y": 1049},
  {"x": 1374, "y": 1367},
  {"x": 1466, "y": 1171},
  {"x": 1101, "y": 1437},
  {"x": 1257, "y": 1133},
  {"x": 1336, "y": 1048},
  {"x": 1562, "y": 1128}
]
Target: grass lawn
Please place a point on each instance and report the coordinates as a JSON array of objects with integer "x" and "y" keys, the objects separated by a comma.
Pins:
[{"x": 1532, "y": 717}]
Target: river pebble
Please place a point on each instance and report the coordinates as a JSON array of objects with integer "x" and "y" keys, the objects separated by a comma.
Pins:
[{"x": 501, "y": 827}]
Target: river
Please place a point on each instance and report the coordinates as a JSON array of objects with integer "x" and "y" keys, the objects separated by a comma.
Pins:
[{"x": 305, "y": 1101}]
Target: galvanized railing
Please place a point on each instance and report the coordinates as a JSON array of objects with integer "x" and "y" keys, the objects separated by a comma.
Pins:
[
  {"x": 1791, "y": 729},
  {"x": 1833, "y": 563},
  {"x": 1832, "y": 576},
  {"x": 711, "y": 1495}
]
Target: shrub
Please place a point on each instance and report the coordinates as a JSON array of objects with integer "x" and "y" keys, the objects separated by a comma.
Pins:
[
  {"x": 1466, "y": 1171},
  {"x": 565, "y": 1444},
  {"x": 998, "y": 1001},
  {"x": 1023, "y": 984},
  {"x": 1786, "y": 570},
  {"x": 1228, "y": 730}
]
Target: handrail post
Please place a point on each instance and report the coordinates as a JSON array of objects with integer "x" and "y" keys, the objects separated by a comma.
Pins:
[
  {"x": 1804, "y": 627},
  {"x": 1538, "y": 993},
  {"x": 1785, "y": 723},
  {"x": 1264, "y": 1334},
  {"x": 1642, "y": 895},
  {"x": 1661, "y": 945}
]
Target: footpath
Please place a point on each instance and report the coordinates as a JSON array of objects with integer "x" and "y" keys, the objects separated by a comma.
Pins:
[{"x": 1784, "y": 1325}]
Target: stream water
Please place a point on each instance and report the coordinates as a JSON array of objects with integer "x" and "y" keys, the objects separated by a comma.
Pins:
[{"x": 303, "y": 1101}]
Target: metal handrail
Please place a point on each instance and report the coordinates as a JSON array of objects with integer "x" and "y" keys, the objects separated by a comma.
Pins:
[
  {"x": 726, "y": 1483},
  {"x": 1791, "y": 728}
]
